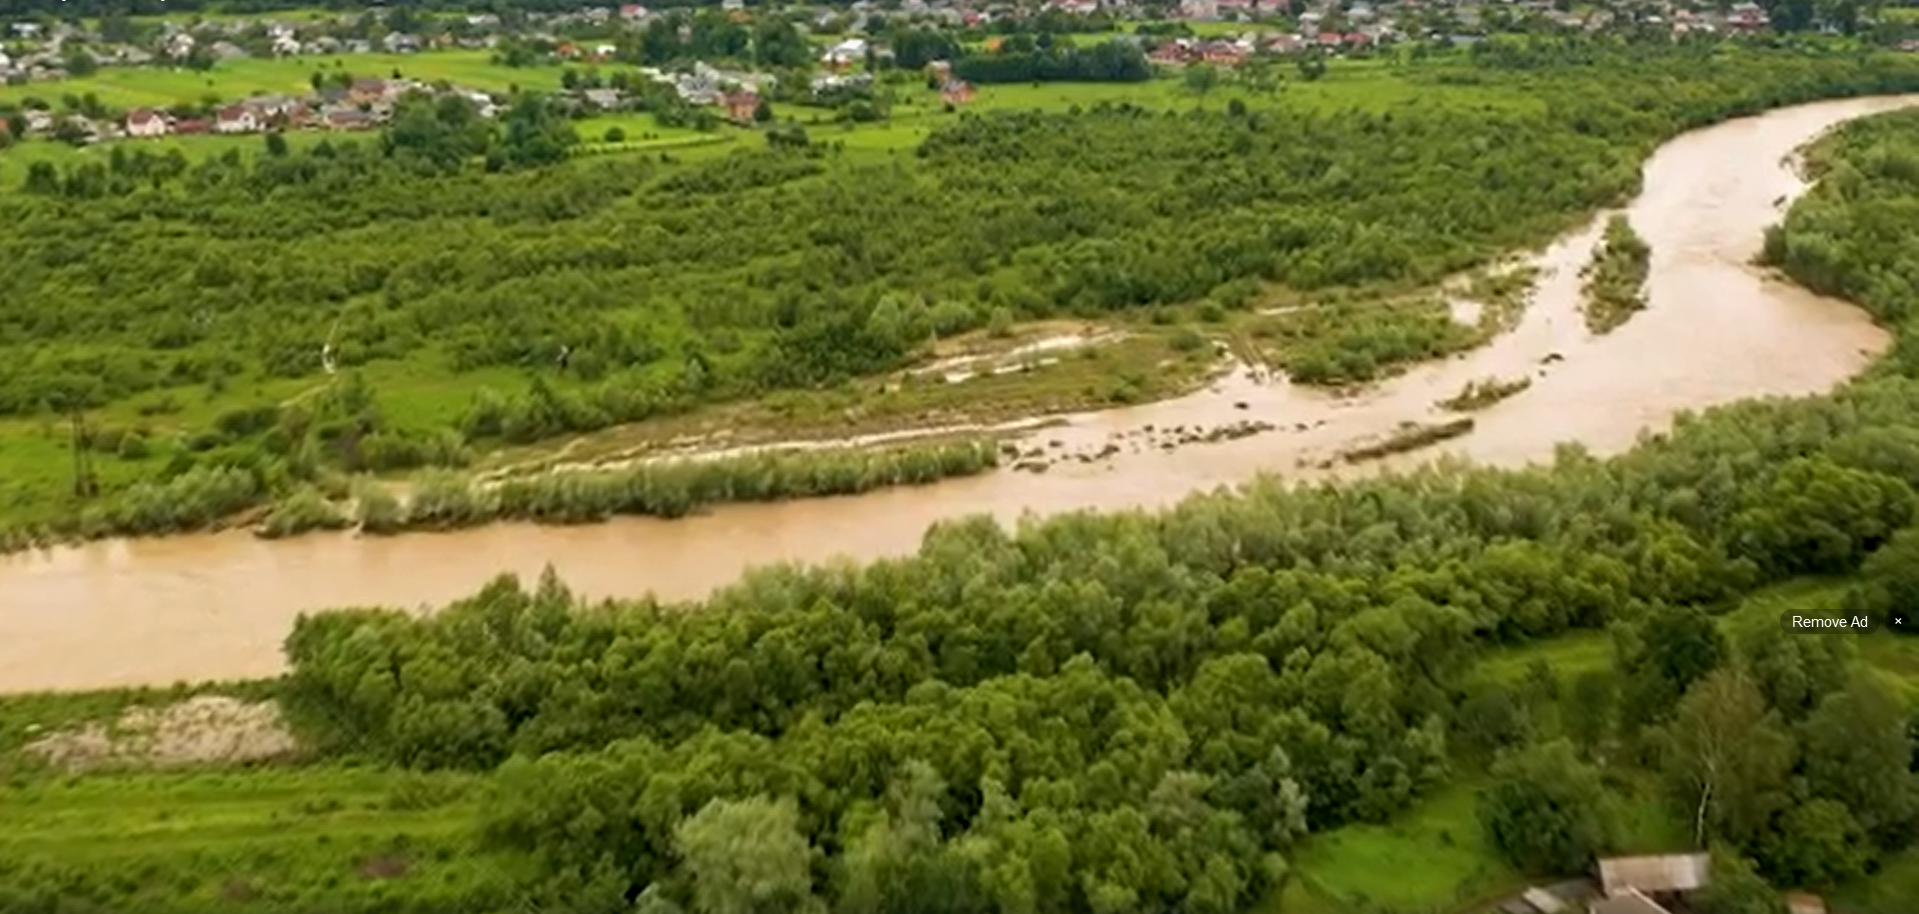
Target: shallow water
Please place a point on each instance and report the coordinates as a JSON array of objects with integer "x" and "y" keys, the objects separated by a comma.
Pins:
[{"x": 217, "y": 606}]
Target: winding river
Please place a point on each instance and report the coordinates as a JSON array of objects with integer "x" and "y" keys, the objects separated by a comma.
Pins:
[{"x": 217, "y": 606}]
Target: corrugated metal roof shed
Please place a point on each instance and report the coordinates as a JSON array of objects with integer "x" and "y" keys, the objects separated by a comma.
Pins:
[{"x": 1655, "y": 875}]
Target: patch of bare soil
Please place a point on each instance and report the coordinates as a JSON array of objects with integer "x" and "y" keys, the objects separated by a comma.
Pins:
[{"x": 203, "y": 730}]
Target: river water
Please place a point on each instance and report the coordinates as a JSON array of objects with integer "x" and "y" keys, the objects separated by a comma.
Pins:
[{"x": 217, "y": 606}]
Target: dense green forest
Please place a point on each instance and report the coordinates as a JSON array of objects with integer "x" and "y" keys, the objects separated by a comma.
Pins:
[
  {"x": 668, "y": 285},
  {"x": 1148, "y": 712}
]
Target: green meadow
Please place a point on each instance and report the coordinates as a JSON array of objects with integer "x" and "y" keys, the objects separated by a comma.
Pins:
[{"x": 231, "y": 80}]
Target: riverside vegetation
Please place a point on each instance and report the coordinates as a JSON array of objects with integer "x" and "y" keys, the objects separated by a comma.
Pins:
[
  {"x": 447, "y": 500},
  {"x": 196, "y": 355},
  {"x": 1484, "y": 392},
  {"x": 1615, "y": 286},
  {"x": 1194, "y": 710}
]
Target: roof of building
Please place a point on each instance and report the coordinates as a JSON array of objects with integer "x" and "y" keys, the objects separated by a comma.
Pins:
[
  {"x": 1543, "y": 901},
  {"x": 1629, "y": 902},
  {"x": 1657, "y": 875},
  {"x": 1805, "y": 903}
]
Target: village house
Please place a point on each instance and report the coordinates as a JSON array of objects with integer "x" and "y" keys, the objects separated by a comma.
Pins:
[
  {"x": 179, "y": 46},
  {"x": 367, "y": 91},
  {"x": 348, "y": 119},
  {"x": 828, "y": 82},
  {"x": 1199, "y": 10},
  {"x": 1645, "y": 885},
  {"x": 235, "y": 119},
  {"x": 1805, "y": 903},
  {"x": 144, "y": 123},
  {"x": 1172, "y": 53},
  {"x": 1222, "y": 53},
  {"x": 265, "y": 108},
  {"x": 740, "y": 106},
  {"x": 956, "y": 93},
  {"x": 1746, "y": 17},
  {"x": 603, "y": 99},
  {"x": 845, "y": 54}
]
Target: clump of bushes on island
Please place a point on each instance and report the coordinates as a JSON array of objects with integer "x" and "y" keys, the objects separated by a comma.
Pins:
[
  {"x": 450, "y": 500},
  {"x": 1615, "y": 287},
  {"x": 1484, "y": 392}
]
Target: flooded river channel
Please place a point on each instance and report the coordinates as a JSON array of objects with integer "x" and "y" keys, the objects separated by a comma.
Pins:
[{"x": 217, "y": 606}]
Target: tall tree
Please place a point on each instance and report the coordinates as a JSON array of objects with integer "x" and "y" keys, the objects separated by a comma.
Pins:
[
  {"x": 1548, "y": 812},
  {"x": 1727, "y": 758},
  {"x": 748, "y": 857},
  {"x": 1663, "y": 654},
  {"x": 1736, "y": 889},
  {"x": 1858, "y": 753}
]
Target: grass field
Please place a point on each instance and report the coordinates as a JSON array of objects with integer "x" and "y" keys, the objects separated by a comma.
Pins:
[
  {"x": 1435, "y": 854},
  {"x": 269, "y": 836},
  {"x": 132, "y": 87}
]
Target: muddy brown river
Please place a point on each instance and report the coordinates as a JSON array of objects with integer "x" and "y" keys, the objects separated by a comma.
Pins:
[{"x": 217, "y": 606}]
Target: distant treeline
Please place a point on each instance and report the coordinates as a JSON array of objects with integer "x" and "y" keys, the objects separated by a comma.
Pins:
[{"x": 1111, "y": 61}]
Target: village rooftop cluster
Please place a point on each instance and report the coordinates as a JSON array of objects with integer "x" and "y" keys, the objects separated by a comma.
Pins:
[{"x": 49, "y": 52}]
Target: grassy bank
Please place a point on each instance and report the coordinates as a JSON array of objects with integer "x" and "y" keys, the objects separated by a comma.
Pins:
[
  {"x": 232, "y": 80},
  {"x": 1615, "y": 286},
  {"x": 263, "y": 840}
]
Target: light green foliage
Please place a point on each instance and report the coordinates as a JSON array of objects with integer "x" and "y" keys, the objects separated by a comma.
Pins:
[
  {"x": 1727, "y": 758},
  {"x": 747, "y": 857}
]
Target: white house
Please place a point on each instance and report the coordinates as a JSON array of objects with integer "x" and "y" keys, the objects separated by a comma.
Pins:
[
  {"x": 846, "y": 53},
  {"x": 180, "y": 45},
  {"x": 144, "y": 123},
  {"x": 235, "y": 119}
]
